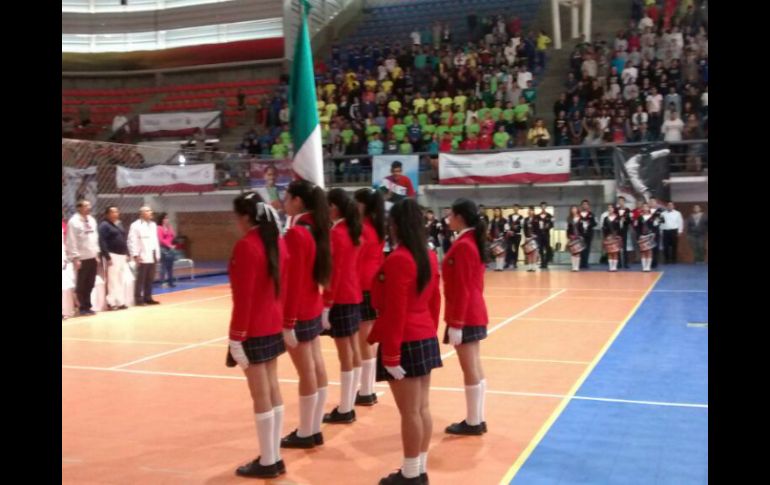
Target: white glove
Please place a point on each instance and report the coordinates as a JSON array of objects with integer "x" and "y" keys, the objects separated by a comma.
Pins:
[
  {"x": 239, "y": 355},
  {"x": 325, "y": 319},
  {"x": 455, "y": 336},
  {"x": 397, "y": 372},
  {"x": 290, "y": 337}
]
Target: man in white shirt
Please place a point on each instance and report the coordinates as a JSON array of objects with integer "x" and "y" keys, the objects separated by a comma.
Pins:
[
  {"x": 672, "y": 227},
  {"x": 144, "y": 249},
  {"x": 416, "y": 38},
  {"x": 83, "y": 251},
  {"x": 654, "y": 107},
  {"x": 523, "y": 78}
]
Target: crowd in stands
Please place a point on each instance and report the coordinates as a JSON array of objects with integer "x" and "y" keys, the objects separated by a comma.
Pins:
[
  {"x": 649, "y": 83},
  {"x": 434, "y": 93}
]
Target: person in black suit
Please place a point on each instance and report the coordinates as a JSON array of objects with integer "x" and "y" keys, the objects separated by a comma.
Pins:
[
  {"x": 589, "y": 223},
  {"x": 513, "y": 238},
  {"x": 543, "y": 231},
  {"x": 626, "y": 221},
  {"x": 697, "y": 229}
]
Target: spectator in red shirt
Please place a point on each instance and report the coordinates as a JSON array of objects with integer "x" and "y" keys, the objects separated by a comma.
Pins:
[
  {"x": 485, "y": 141},
  {"x": 446, "y": 143},
  {"x": 472, "y": 143}
]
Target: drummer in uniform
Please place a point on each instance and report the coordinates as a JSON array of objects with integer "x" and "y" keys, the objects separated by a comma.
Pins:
[
  {"x": 513, "y": 237},
  {"x": 498, "y": 227},
  {"x": 611, "y": 231},
  {"x": 543, "y": 231},
  {"x": 575, "y": 231},
  {"x": 626, "y": 221},
  {"x": 646, "y": 226},
  {"x": 530, "y": 239},
  {"x": 589, "y": 223}
]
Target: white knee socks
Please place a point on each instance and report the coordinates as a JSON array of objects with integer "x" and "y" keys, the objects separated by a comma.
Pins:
[
  {"x": 319, "y": 410},
  {"x": 482, "y": 399},
  {"x": 265, "y": 423},
  {"x": 306, "y": 411},
  {"x": 367, "y": 376},
  {"x": 575, "y": 263},
  {"x": 277, "y": 428},
  {"x": 346, "y": 391},
  {"x": 473, "y": 404},
  {"x": 411, "y": 467}
]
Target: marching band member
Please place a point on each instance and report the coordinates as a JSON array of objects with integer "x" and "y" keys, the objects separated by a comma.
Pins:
[
  {"x": 575, "y": 232},
  {"x": 497, "y": 229},
  {"x": 515, "y": 221},
  {"x": 657, "y": 211},
  {"x": 342, "y": 300},
  {"x": 543, "y": 231},
  {"x": 465, "y": 311},
  {"x": 589, "y": 223},
  {"x": 432, "y": 228},
  {"x": 626, "y": 221},
  {"x": 406, "y": 294},
  {"x": 255, "y": 325},
  {"x": 611, "y": 233},
  {"x": 530, "y": 239},
  {"x": 371, "y": 208},
  {"x": 646, "y": 227},
  {"x": 308, "y": 269},
  {"x": 446, "y": 233}
]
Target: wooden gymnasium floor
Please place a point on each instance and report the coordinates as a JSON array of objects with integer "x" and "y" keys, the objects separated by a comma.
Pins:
[{"x": 147, "y": 399}]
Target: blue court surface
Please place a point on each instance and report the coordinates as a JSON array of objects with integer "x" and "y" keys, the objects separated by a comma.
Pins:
[{"x": 641, "y": 416}]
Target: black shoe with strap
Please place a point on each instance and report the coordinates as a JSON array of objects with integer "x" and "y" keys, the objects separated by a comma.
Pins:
[
  {"x": 424, "y": 479},
  {"x": 484, "y": 426},
  {"x": 336, "y": 417},
  {"x": 281, "y": 466},
  {"x": 318, "y": 438},
  {"x": 398, "y": 478},
  {"x": 463, "y": 428},
  {"x": 369, "y": 400},
  {"x": 293, "y": 440},
  {"x": 256, "y": 470}
]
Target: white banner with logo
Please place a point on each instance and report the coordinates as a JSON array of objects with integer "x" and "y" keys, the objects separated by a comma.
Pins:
[
  {"x": 522, "y": 167},
  {"x": 178, "y": 122},
  {"x": 167, "y": 178}
]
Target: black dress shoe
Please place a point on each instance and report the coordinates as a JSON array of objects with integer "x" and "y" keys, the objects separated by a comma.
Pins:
[
  {"x": 293, "y": 440},
  {"x": 369, "y": 400},
  {"x": 318, "y": 438},
  {"x": 281, "y": 466},
  {"x": 122, "y": 307},
  {"x": 484, "y": 426},
  {"x": 336, "y": 417},
  {"x": 397, "y": 478},
  {"x": 255, "y": 470},
  {"x": 424, "y": 478},
  {"x": 152, "y": 302},
  {"x": 463, "y": 428}
]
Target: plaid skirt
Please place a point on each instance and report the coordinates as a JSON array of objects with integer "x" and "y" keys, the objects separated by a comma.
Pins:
[
  {"x": 471, "y": 333},
  {"x": 307, "y": 330},
  {"x": 368, "y": 313},
  {"x": 418, "y": 358},
  {"x": 344, "y": 319},
  {"x": 260, "y": 349}
]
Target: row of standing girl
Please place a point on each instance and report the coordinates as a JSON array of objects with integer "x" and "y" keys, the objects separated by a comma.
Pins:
[{"x": 328, "y": 275}]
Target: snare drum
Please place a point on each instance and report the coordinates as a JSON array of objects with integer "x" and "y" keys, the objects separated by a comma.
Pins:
[
  {"x": 497, "y": 248},
  {"x": 530, "y": 245},
  {"x": 576, "y": 246},
  {"x": 612, "y": 244},
  {"x": 647, "y": 242}
]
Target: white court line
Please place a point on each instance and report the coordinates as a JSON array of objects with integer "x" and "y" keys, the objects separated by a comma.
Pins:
[
  {"x": 608, "y": 297},
  {"x": 679, "y": 291},
  {"x": 568, "y": 320},
  {"x": 79, "y": 320},
  {"x": 547, "y": 361},
  {"x": 168, "y": 352},
  {"x": 434, "y": 388},
  {"x": 510, "y": 319}
]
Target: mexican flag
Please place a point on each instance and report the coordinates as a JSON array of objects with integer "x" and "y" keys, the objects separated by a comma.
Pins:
[{"x": 305, "y": 128}]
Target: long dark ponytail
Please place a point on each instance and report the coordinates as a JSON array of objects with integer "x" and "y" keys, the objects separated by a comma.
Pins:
[
  {"x": 374, "y": 208},
  {"x": 349, "y": 212},
  {"x": 406, "y": 221},
  {"x": 314, "y": 200},
  {"x": 467, "y": 209},
  {"x": 260, "y": 215}
]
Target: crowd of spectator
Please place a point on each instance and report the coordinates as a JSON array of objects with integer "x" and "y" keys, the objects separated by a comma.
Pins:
[
  {"x": 433, "y": 93},
  {"x": 649, "y": 83}
]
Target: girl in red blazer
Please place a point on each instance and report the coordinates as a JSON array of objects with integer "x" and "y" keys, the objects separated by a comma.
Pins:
[
  {"x": 371, "y": 207},
  {"x": 465, "y": 312},
  {"x": 406, "y": 294},
  {"x": 342, "y": 300},
  {"x": 308, "y": 269},
  {"x": 255, "y": 325}
]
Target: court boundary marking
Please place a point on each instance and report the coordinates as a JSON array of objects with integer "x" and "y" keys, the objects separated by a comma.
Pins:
[
  {"x": 546, "y": 426},
  {"x": 385, "y": 386}
]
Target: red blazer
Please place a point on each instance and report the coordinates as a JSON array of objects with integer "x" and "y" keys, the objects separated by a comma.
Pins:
[
  {"x": 404, "y": 315},
  {"x": 463, "y": 274},
  {"x": 257, "y": 310},
  {"x": 302, "y": 298},
  {"x": 371, "y": 256},
  {"x": 345, "y": 286}
]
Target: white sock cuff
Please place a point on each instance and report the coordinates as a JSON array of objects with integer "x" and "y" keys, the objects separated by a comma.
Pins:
[
  {"x": 278, "y": 409},
  {"x": 411, "y": 468},
  {"x": 263, "y": 416}
]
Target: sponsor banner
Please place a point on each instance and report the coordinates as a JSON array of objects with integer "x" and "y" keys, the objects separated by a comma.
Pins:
[
  {"x": 163, "y": 124},
  {"x": 521, "y": 167},
  {"x": 166, "y": 178}
]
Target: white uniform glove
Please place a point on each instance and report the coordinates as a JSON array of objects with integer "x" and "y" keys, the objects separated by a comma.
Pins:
[
  {"x": 239, "y": 355},
  {"x": 397, "y": 372},
  {"x": 290, "y": 337},
  {"x": 455, "y": 336},
  {"x": 325, "y": 319}
]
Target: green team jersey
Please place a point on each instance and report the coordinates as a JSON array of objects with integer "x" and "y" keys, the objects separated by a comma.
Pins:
[
  {"x": 347, "y": 135},
  {"x": 501, "y": 139},
  {"x": 508, "y": 114},
  {"x": 405, "y": 148},
  {"x": 474, "y": 128},
  {"x": 400, "y": 131}
]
